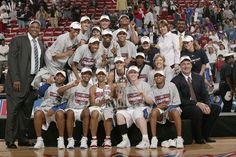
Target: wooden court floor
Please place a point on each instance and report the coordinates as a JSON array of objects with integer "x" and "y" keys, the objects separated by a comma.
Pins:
[{"x": 222, "y": 147}]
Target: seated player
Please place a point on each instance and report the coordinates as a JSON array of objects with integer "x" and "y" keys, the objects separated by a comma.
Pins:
[
  {"x": 101, "y": 101},
  {"x": 166, "y": 107},
  {"x": 138, "y": 97},
  {"x": 51, "y": 110},
  {"x": 77, "y": 109}
]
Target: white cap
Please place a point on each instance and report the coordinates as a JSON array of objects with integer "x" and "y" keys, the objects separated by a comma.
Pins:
[
  {"x": 97, "y": 28},
  {"x": 86, "y": 69},
  {"x": 121, "y": 30},
  {"x": 135, "y": 68},
  {"x": 104, "y": 17},
  {"x": 61, "y": 72},
  {"x": 75, "y": 25},
  {"x": 161, "y": 72},
  {"x": 145, "y": 39},
  {"x": 84, "y": 18},
  {"x": 228, "y": 54},
  {"x": 34, "y": 21},
  {"x": 101, "y": 70},
  {"x": 183, "y": 58},
  {"x": 228, "y": 96},
  {"x": 123, "y": 15},
  {"x": 187, "y": 38},
  {"x": 106, "y": 32},
  {"x": 140, "y": 54},
  {"x": 93, "y": 39},
  {"x": 119, "y": 58}
]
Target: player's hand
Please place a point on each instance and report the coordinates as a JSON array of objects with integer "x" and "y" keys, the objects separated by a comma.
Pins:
[
  {"x": 114, "y": 50},
  {"x": 132, "y": 25},
  {"x": 50, "y": 80},
  {"x": 16, "y": 86},
  {"x": 76, "y": 82},
  {"x": 70, "y": 52}
]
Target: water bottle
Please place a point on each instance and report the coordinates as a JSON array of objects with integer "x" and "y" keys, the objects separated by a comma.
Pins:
[{"x": 233, "y": 105}]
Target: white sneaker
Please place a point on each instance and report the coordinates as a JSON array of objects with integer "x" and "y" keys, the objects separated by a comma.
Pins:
[
  {"x": 124, "y": 144},
  {"x": 60, "y": 143},
  {"x": 143, "y": 144},
  {"x": 179, "y": 142},
  {"x": 39, "y": 144},
  {"x": 172, "y": 143},
  {"x": 154, "y": 142},
  {"x": 165, "y": 144},
  {"x": 107, "y": 143},
  {"x": 71, "y": 143},
  {"x": 83, "y": 143},
  {"x": 94, "y": 144}
]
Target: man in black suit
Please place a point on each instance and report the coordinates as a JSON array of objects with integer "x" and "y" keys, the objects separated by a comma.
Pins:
[
  {"x": 24, "y": 60},
  {"x": 195, "y": 102},
  {"x": 181, "y": 32}
]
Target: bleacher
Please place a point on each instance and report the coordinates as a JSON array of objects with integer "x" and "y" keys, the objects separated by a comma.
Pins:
[{"x": 49, "y": 34}]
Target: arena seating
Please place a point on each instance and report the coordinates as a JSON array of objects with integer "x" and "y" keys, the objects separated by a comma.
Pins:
[{"x": 49, "y": 35}]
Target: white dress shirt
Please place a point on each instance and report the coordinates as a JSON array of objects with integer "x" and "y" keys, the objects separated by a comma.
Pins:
[
  {"x": 169, "y": 48},
  {"x": 32, "y": 71}
]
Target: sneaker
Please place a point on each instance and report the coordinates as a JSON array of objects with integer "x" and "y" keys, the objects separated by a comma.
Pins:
[
  {"x": 154, "y": 142},
  {"x": 165, "y": 144},
  {"x": 107, "y": 143},
  {"x": 143, "y": 144},
  {"x": 94, "y": 144},
  {"x": 71, "y": 143},
  {"x": 39, "y": 144},
  {"x": 60, "y": 143},
  {"x": 172, "y": 143},
  {"x": 83, "y": 143},
  {"x": 179, "y": 142},
  {"x": 124, "y": 144}
]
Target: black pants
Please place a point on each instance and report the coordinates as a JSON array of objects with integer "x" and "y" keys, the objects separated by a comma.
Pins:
[
  {"x": 227, "y": 104},
  {"x": 18, "y": 116},
  {"x": 201, "y": 124}
]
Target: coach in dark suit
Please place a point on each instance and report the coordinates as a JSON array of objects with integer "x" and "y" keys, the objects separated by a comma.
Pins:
[
  {"x": 26, "y": 54},
  {"x": 195, "y": 102}
]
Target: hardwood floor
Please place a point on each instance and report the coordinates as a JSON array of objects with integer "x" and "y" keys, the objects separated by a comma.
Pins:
[{"x": 222, "y": 146}]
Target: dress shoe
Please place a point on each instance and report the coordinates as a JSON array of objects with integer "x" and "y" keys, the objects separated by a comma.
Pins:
[
  {"x": 210, "y": 140},
  {"x": 11, "y": 145},
  {"x": 200, "y": 141}
]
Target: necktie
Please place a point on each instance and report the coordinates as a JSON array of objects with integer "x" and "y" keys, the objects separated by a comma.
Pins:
[
  {"x": 180, "y": 42},
  {"x": 193, "y": 96},
  {"x": 36, "y": 57}
]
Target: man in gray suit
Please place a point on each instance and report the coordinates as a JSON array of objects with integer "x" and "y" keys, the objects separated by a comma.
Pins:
[{"x": 26, "y": 54}]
